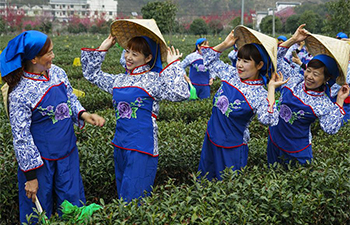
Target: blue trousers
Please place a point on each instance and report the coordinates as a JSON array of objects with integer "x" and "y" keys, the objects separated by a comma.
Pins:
[
  {"x": 215, "y": 159},
  {"x": 134, "y": 172},
  {"x": 202, "y": 91},
  {"x": 62, "y": 178},
  {"x": 274, "y": 154}
]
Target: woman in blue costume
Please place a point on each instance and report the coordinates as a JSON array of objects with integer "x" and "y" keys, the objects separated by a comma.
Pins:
[
  {"x": 42, "y": 111},
  {"x": 136, "y": 97},
  {"x": 199, "y": 75},
  {"x": 241, "y": 96},
  {"x": 303, "y": 100}
]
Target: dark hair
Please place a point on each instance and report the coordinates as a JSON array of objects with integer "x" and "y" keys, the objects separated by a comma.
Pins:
[
  {"x": 249, "y": 52},
  {"x": 317, "y": 64},
  {"x": 14, "y": 77},
  {"x": 139, "y": 44},
  {"x": 204, "y": 42}
]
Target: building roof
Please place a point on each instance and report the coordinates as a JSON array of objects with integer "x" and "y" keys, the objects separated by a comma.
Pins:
[{"x": 68, "y": 2}]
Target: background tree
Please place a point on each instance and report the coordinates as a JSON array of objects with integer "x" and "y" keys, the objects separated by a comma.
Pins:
[
  {"x": 313, "y": 21},
  {"x": 215, "y": 26},
  {"x": 291, "y": 24},
  {"x": 235, "y": 22},
  {"x": 163, "y": 13},
  {"x": 199, "y": 27},
  {"x": 339, "y": 17},
  {"x": 266, "y": 25}
]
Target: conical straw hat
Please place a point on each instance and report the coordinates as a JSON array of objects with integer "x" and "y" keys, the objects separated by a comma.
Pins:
[
  {"x": 246, "y": 36},
  {"x": 337, "y": 49},
  {"x": 125, "y": 29},
  {"x": 4, "y": 90}
]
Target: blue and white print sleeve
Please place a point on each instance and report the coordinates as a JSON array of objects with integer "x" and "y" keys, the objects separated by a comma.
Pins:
[
  {"x": 91, "y": 61},
  {"x": 186, "y": 61},
  {"x": 336, "y": 87},
  {"x": 173, "y": 86},
  {"x": 122, "y": 59},
  {"x": 261, "y": 106},
  {"x": 27, "y": 154},
  {"x": 217, "y": 67},
  {"x": 331, "y": 119},
  {"x": 233, "y": 57},
  {"x": 286, "y": 69},
  {"x": 75, "y": 104}
]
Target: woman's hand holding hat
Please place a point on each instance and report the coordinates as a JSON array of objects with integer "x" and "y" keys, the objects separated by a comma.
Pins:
[
  {"x": 229, "y": 41},
  {"x": 299, "y": 35},
  {"x": 343, "y": 93},
  {"x": 173, "y": 54},
  {"x": 107, "y": 43}
]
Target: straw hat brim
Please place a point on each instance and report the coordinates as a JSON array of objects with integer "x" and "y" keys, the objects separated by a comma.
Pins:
[
  {"x": 4, "y": 91},
  {"x": 246, "y": 36},
  {"x": 125, "y": 29},
  {"x": 337, "y": 49}
]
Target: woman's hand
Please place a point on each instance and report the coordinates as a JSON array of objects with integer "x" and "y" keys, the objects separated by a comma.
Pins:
[
  {"x": 229, "y": 41},
  {"x": 343, "y": 93},
  {"x": 93, "y": 119},
  {"x": 108, "y": 43},
  {"x": 296, "y": 60},
  {"x": 173, "y": 54},
  {"x": 299, "y": 35},
  {"x": 276, "y": 80},
  {"x": 31, "y": 187}
]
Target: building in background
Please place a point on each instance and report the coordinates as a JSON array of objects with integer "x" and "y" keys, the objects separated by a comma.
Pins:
[{"x": 62, "y": 10}]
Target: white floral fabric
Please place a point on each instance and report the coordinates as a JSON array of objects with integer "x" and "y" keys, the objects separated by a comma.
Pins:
[
  {"x": 169, "y": 84},
  {"x": 23, "y": 100},
  {"x": 252, "y": 90}
]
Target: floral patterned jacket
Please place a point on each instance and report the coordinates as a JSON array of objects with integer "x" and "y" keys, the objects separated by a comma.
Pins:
[
  {"x": 253, "y": 92},
  {"x": 329, "y": 114},
  {"x": 25, "y": 98},
  {"x": 136, "y": 97}
]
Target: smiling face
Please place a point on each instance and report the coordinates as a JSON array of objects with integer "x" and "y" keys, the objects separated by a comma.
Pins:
[
  {"x": 248, "y": 69},
  {"x": 314, "y": 78},
  {"x": 249, "y": 62},
  {"x": 135, "y": 59},
  {"x": 43, "y": 61},
  {"x": 137, "y": 53}
]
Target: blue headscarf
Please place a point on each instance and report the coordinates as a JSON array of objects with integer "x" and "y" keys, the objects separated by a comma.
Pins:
[
  {"x": 341, "y": 35},
  {"x": 156, "y": 61},
  {"x": 200, "y": 41},
  {"x": 25, "y": 46},
  {"x": 268, "y": 66},
  {"x": 331, "y": 66},
  {"x": 283, "y": 38}
]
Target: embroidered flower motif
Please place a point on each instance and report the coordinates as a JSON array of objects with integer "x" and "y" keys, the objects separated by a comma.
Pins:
[
  {"x": 289, "y": 116},
  {"x": 124, "y": 110},
  {"x": 200, "y": 67},
  {"x": 285, "y": 113},
  {"x": 127, "y": 110},
  {"x": 224, "y": 105},
  {"x": 62, "y": 111}
]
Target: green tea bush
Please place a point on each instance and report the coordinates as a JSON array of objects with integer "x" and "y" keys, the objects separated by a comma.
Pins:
[{"x": 317, "y": 193}]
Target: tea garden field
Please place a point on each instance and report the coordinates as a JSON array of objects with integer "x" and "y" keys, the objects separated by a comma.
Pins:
[{"x": 318, "y": 193}]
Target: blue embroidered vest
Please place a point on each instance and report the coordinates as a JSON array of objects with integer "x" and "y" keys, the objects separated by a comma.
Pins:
[
  {"x": 230, "y": 115},
  {"x": 199, "y": 75},
  {"x": 134, "y": 128},
  {"x": 52, "y": 127},
  {"x": 291, "y": 134}
]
